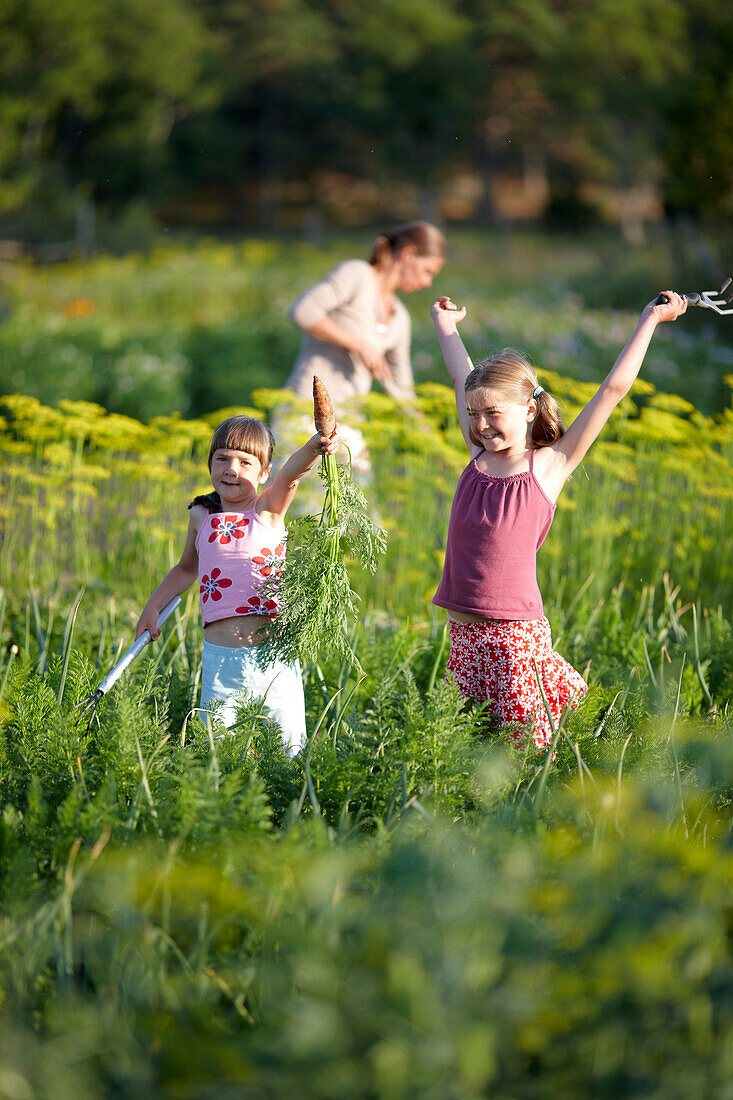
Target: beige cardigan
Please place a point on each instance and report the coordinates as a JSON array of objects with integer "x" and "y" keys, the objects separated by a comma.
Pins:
[{"x": 349, "y": 295}]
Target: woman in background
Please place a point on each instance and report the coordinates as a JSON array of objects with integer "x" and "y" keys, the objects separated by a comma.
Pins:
[{"x": 355, "y": 328}]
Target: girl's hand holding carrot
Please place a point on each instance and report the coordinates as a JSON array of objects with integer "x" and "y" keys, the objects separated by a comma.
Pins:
[{"x": 324, "y": 444}]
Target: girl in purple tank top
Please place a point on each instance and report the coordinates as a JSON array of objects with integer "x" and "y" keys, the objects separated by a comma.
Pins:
[
  {"x": 236, "y": 538},
  {"x": 500, "y": 643}
]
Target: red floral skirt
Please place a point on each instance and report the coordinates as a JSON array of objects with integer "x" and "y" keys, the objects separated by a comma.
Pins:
[{"x": 495, "y": 661}]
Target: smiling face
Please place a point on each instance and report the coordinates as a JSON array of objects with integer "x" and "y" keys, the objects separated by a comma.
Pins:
[
  {"x": 236, "y": 476},
  {"x": 497, "y": 423}
]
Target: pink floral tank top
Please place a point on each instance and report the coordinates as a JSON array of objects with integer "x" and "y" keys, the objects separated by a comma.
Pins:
[
  {"x": 237, "y": 551},
  {"x": 497, "y": 525}
]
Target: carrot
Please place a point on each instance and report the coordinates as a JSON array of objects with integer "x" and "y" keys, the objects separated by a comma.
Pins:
[
  {"x": 323, "y": 415},
  {"x": 325, "y": 422}
]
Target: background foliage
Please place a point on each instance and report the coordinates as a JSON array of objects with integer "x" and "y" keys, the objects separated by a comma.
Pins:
[
  {"x": 224, "y": 112},
  {"x": 195, "y": 329},
  {"x": 410, "y": 907}
]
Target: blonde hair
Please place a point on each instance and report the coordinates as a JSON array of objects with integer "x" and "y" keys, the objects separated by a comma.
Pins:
[
  {"x": 244, "y": 433},
  {"x": 508, "y": 372},
  {"x": 427, "y": 239}
]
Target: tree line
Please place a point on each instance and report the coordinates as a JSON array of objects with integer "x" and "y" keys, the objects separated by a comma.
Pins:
[{"x": 236, "y": 107}]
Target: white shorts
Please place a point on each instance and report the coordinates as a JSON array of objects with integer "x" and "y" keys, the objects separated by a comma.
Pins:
[{"x": 231, "y": 672}]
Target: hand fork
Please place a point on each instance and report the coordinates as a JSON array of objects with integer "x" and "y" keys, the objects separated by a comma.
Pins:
[
  {"x": 90, "y": 704},
  {"x": 708, "y": 299}
]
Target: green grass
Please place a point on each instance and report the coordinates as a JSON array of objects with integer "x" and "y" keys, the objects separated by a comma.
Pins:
[
  {"x": 410, "y": 908},
  {"x": 198, "y": 329}
]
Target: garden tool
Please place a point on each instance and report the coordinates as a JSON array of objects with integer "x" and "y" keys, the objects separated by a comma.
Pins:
[
  {"x": 708, "y": 299},
  {"x": 90, "y": 704}
]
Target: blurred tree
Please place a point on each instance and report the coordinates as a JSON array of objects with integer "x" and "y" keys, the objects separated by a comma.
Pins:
[
  {"x": 253, "y": 104},
  {"x": 91, "y": 89},
  {"x": 699, "y": 153},
  {"x": 574, "y": 91},
  {"x": 516, "y": 44},
  {"x": 608, "y": 84},
  {"x": 337, "y": 86},
  {"x": 51, "y": 54},
  {"x": 274, "y": 60},
  {"x": 156, "y": 75},
  {"x": 411, "y": 88}
]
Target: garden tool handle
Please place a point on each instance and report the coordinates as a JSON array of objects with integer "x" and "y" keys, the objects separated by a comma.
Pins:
[
  {"x": 691, "y": 299},
  {"x": 136, "y": 648}
]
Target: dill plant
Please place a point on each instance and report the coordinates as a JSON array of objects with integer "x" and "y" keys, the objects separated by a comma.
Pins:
[{"x": 317, "y": 601}]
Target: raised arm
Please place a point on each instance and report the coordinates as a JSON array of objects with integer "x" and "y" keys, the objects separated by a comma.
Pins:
[
  {"x": 446, "y": 317},
  {"x": 572, "y": 447},
  {"x": 274, "y": 502}
]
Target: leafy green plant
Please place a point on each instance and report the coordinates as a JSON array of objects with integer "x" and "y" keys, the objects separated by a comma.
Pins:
[
  {"x": 318, "y": 602},
  {"x": 411, "y": 905}
]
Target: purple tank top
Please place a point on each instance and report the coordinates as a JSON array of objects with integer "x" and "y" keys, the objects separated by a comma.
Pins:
[{"x": 497, "y": 525}]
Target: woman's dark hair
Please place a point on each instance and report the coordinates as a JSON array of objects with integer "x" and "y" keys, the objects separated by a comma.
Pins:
[
  {"x": 509, "y": 373},
  {"x": 428, "y": 241}
]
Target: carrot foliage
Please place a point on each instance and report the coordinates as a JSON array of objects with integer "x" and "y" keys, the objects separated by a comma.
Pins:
[{"x": 318, "y": 603}]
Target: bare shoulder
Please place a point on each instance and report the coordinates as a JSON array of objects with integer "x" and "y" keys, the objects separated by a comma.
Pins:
[
  {"x": 196, "y": 516},
  {"x": 264, "y": 512},
  {"x": 550, "y": 469}
]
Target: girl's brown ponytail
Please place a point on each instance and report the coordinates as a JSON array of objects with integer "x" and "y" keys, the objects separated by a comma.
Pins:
[{"x": 547, "y": 427}]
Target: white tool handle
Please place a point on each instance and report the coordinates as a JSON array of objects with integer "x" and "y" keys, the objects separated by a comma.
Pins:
[{"x": 135, "y": 649}]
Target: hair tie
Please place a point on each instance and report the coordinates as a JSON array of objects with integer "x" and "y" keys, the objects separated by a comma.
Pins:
[{"x": 537, "y": 391}]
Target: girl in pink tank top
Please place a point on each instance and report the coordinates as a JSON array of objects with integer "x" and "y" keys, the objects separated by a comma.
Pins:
[
  {"x": 236, "y": 538},
  {"x": 520, "y": 458}
]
